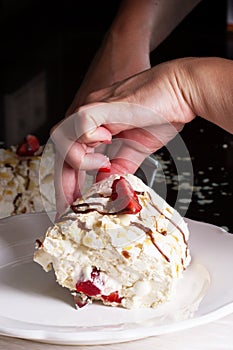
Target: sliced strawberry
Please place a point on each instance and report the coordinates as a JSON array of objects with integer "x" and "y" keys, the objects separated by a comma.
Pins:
[
  {"x": 88, "y": 287},
  {"x": 28, "y": 147},
  {"x": 105, "y": 170},
  {"x": 124, "y": 198},
  {"x": 112, "y": 298}
]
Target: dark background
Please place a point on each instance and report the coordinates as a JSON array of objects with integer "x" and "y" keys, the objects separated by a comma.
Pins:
[{"x": 47, "y": 46}]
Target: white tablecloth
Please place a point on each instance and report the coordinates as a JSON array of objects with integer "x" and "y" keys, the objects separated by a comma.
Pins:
[{"x": 211, "y": 336}]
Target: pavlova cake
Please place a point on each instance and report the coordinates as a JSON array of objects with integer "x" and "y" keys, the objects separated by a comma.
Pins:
[
  {"x": 120, "y": 244},
  {"x": 26, "y": 183}
]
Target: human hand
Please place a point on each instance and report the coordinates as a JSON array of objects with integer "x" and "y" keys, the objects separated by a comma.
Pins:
[{"x": 134, "y": 118}]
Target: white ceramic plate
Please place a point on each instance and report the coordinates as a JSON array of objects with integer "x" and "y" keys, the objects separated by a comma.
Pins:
[{"x": 33, "y": 306}]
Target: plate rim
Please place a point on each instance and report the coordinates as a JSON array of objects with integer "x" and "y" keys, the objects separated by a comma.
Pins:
[{"x": 117, "y": 335}]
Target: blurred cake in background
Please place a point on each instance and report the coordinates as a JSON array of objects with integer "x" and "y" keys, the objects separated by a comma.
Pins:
[{"x": 26, "y": 183}]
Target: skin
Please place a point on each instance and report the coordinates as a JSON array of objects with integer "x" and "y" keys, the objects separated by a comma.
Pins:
[
  {"x": 137, "y": 29},
  {"x": 144, "y": 112}
]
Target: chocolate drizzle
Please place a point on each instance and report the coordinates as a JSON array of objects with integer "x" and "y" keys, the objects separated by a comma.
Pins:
[
  {"x": 170, "y": 220},
  {"x": 122, "y": 200},
  {"x": 80, "y": 224},
  {"x": 84, "y": 208},
  {"x": 15, "y": 202},
  {"x": 28, "y": 175},
  {"x": 94, "y": 206},
  {"x": 149, "y": 232},
  {"x": 175, "y": 225}
]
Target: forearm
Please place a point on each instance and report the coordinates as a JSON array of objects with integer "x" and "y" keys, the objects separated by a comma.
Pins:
[
  {"x": 207, "y": 86},
  {"x": 149, "y": 22}
]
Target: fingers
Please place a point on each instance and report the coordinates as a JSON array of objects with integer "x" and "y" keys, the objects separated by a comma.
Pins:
[
  {"x": 81, "y": 157},
  {"x": 131, "y": 147},
  {"x": 114, "y": 117},
  {"x": 78, "y": 139},
  {"x": 68, "y": 184},
  {"x": 96, "y": 137},
  {"x": 118, "y": 166},
  {"x": 74, "y": 157},
  {"x": 65, "y": 183},
  {"x": 80, "y": 129},
  {"x": 77, "y": 147},
  {"x": 126, "y": 157},
  {"x": 93, "y": 125}
]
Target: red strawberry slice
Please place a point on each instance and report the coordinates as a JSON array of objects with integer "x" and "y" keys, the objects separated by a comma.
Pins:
[
  {"x": 124, "y": 198},
  {"x": 28, "y": 147},
  {"x": 112, "y": 298},
  {"x": 88, "y": 287}
]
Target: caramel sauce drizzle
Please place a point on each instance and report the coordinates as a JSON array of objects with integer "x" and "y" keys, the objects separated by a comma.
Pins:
[
  {"x": 171, "y": 221},
  {"x": 78, "y": 209},
  {"x": 149, "y": 232},
  {"x": 85, "y": 208},
  {"x": 174, "y": 224}
]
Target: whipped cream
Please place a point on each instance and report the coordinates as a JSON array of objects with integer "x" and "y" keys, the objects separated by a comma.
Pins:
[{"x": 121, "y": 258}]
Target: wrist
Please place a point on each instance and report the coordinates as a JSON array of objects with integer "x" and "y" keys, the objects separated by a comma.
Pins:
[{"x": 209, "y": 89}]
